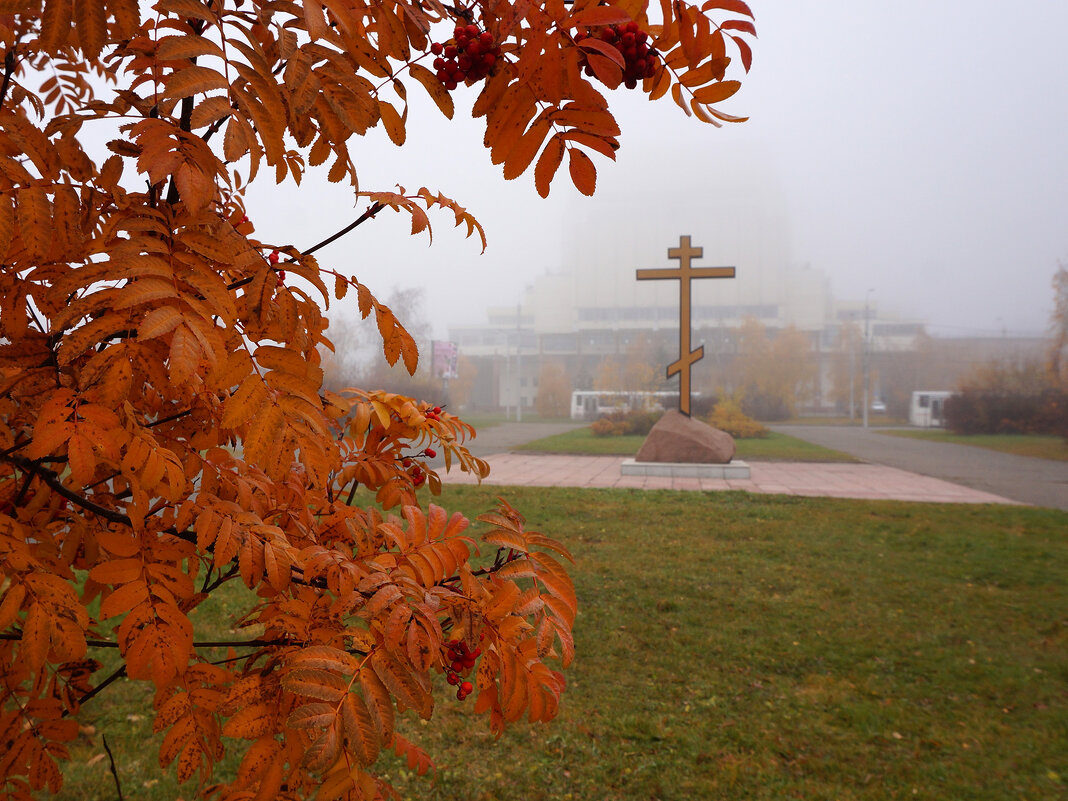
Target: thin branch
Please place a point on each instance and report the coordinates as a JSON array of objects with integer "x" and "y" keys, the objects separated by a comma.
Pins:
[
  {"x": 117, "y": 674},
  {"x": 9, "y": 69},
  {"x": 115, "y": 773},
  {"x": 15, "y": 447},
  {"x": 367, "y": 215},
  {"x": 22, "y": 490},
  {"x": 221, "y": 579},
  {"x": 371, "y": 212},
  {"x": 52, "y": 479},
  {"x": 196, "y": 643}
]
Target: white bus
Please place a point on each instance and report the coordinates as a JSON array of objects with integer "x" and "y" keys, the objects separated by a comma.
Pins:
[
  {"x": 926, "y": 409},
  {"x": 589, "y": 404}
]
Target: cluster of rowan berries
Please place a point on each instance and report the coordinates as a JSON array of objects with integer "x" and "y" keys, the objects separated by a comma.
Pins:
[
  {"x": 415, "y": 471},
  {"x": 273, "y": 260},
  {"x": 433, "y": 414},
  {"x": 639, "y": 59},
  {"x": 470, "y": 56},
  {"x": 461, "y": 661}
]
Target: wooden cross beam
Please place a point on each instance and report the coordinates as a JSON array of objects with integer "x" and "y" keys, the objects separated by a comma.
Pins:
[{"x": 684, "y": 272}]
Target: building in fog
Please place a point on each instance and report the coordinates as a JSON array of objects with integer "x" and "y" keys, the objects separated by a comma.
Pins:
[
  {"x": 588, "y": 309},
  {"x": 580, "y": 319}
]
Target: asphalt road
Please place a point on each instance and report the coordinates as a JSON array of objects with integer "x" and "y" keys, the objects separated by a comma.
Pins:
[{"x": 1039, "y": 482}]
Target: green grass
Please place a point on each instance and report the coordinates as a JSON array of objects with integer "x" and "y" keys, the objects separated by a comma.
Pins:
[
  {"x": 735, "y": 646},
  {"x": 774, "y": 447},
  {"x": 1040, "y": 446}
]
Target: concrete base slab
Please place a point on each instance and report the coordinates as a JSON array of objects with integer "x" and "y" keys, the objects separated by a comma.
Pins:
[{"x": 735, "y": 469}]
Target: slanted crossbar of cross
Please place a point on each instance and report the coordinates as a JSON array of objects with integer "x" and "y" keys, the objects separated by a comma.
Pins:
[{"x": 684, "y": 272}]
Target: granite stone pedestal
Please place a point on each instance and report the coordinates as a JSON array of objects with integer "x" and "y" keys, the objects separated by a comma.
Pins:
[{"x": 680, "y": 447}]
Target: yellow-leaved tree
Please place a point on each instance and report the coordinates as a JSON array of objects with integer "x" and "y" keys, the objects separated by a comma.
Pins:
[{"x": 164, "y": 429}]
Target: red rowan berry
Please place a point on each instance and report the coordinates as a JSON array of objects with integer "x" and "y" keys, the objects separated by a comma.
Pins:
[
  {"x": 486, "y": 38},
  {"x": 430, "y": 452},
  {"x": 457, "y": 666},
  {"x": 460, "y": 695},
  {"x": 438, "y": 63},
  {"x": 436, "y": 48},
  {"x": 472, "y": 31},
  {"x": 452, "y": 678},
  {"x": 632, "y": 27},
  {"x": 436, "y": 410},
  {"x": 450, "y": 51},
  {"x": 460, "y": 30},
  {"x": 467, "y": 687},
  {"x": 273, "y": 258},
  {"x": 281, "y": 276}
]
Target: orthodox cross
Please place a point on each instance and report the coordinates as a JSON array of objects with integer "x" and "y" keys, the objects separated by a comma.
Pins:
[{"x": 684, "y": 253}]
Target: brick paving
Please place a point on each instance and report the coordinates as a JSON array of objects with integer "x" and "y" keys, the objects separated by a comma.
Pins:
[{"x": 815, "y": 479}]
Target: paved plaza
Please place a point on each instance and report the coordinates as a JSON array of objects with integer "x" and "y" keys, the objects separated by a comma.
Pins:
[{"x": 814, "y": 479}]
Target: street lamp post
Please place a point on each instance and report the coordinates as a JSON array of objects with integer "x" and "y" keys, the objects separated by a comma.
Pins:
[
  {"x": 867, "y": 353},
  {"x": 518, "y": 364}
]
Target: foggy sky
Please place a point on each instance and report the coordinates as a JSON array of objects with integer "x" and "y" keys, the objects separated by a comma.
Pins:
[{"x": 913, "y": 149}]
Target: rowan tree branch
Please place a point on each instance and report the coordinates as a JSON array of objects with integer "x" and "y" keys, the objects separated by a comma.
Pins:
[
  {"x": 50, "y": 478},
  {"x": 114, "y": 773},
  {"x": 196, "y": 643},
  {"x": 371, "y": 212},
  {"x": 9, "y": 69},
  {"x": 367, "y": 215}
]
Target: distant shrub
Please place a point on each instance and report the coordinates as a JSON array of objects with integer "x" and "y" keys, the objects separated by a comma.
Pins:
[
  {"x": 607, "y": 427},
  {"x": 977, "y": 412},
  {"x": 700, "y": 405},
  {"x": 638, "y": 423},
  {"x": 766, "y": 406},
  {"x": 728, "y": 416}
]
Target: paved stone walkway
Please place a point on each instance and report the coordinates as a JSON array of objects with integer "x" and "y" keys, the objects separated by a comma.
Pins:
[{"x": 833, "y": 480}]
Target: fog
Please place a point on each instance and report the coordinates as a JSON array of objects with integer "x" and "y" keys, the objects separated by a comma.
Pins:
[{"x": 913, "y": 152}]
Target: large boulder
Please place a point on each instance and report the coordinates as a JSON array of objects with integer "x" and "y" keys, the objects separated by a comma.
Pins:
[{"x": 678, "y": 438}]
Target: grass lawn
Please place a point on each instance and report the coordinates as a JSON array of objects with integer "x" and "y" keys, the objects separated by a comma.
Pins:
[
  {"x": 735, "y": 646},
  {"x": 1041, "y": 446},
  {"x": 774, "y": 447}
]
